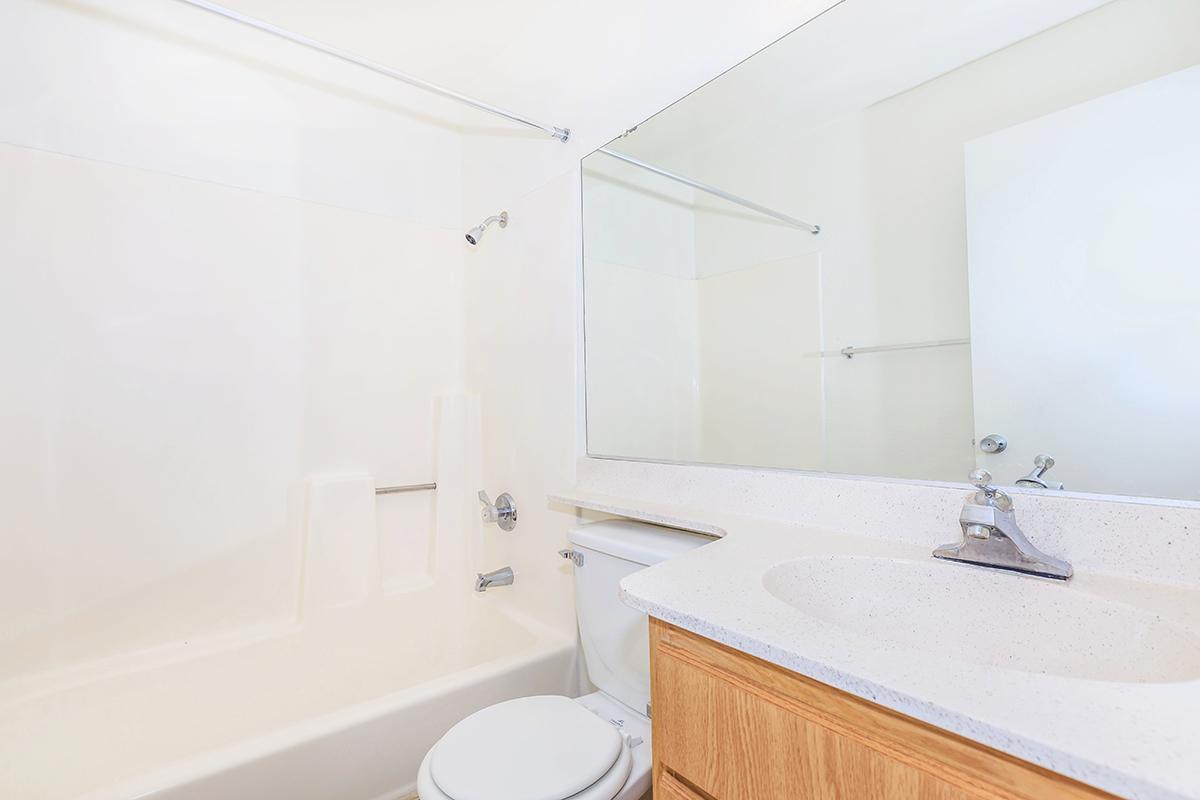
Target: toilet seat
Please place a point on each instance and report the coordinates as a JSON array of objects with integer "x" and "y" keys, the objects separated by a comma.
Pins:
[
  {"x": 532, "y": 748},
  {"x": 604, "y": 789}
]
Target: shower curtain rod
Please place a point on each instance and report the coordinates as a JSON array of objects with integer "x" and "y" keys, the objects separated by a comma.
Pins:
[
  {"x": 704, "y": 187},
  {"x": 562, "y": 134}
]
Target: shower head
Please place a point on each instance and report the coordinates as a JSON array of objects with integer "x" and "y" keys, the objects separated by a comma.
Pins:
[{"x": 476, "y": 233}]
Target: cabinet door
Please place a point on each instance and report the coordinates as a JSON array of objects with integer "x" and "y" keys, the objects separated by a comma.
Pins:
[
  {"x": 671, "y": 788},
  {"x": 736, "y": 728},
  {"x": 736, "y": 742}
]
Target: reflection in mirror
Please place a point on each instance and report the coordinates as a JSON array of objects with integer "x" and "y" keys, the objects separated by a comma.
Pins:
[{"x": 1006, "y": 273}]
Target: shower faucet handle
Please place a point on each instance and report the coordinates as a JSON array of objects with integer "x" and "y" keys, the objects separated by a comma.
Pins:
[
  {"x": 503, "y": 512},
  {"x": 489, "y": 513}
]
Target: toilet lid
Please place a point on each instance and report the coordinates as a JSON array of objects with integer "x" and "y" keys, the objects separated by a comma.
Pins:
[{"x": 533, "y": 748}]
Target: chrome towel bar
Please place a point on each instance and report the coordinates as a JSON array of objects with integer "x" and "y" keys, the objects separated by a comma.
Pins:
[{"x": 412, "y": 487}]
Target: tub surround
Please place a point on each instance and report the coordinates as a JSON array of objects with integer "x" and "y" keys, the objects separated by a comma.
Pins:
[{"x": 1124, "y": 726}]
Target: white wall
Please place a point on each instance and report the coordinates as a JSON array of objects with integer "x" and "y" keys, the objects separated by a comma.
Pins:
[
  {"x": 1064, "y": 371},
  {"x": 700, "y": 345},
  {"x": 638, "y": 219},
  {"x": 760, "y": 380},
  {"x": 681, "y": 370},
  {"x": 520, "y": 349},
  {"x": 914, "y": 210},
  {"x": 226, "y": 266},
  {"x": 642, "y": 310},
  {"x": 643, "y": 350},
  {"x": 158, "y": 86}
]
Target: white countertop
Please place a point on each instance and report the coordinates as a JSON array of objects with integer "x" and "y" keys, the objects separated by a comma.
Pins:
[{"x": 1136, "y": 740}]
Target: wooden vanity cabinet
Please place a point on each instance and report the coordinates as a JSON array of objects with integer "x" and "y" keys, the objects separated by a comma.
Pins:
[{"x": 728, "y": 726}]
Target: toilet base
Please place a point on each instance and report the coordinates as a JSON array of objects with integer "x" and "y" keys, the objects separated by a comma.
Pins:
[{"x": 635, "y": 725}]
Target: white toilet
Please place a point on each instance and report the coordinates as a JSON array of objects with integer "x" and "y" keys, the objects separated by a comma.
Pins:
[{"x": 550, "y": 747}]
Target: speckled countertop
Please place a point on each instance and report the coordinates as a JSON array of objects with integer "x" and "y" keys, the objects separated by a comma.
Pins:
[{"x": 1087, "y": 707}]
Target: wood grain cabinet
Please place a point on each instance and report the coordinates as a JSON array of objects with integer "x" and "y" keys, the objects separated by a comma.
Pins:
[{"x": 728, "y": 726}]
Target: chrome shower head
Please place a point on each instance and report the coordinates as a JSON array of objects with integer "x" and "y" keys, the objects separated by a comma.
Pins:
[{"x": 476, "y": 233}]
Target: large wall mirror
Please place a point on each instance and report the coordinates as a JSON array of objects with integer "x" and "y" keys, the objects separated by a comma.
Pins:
[{"x": 909, "y": 240}]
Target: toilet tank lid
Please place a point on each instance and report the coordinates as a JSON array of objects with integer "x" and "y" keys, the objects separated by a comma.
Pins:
[{"x": 638, "y": 542}]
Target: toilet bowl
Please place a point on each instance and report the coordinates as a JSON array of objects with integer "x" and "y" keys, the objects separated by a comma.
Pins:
[
  {"x": 550, "y": 747},
  {"x": 542, "y": 748}
]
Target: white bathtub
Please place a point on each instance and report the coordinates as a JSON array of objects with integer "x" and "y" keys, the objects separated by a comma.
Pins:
[{"x": 342, "y": 709}]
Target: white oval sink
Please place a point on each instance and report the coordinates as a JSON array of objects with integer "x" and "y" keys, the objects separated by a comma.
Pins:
[{"x": 996, "y": 619}]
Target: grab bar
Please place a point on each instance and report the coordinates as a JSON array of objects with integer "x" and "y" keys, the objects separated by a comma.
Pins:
[
  {"x": 851, "y": 352},
  {"x": 412, "y": 487}
]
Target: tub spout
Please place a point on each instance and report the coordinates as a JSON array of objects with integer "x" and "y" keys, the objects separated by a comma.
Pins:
[{"x": 498, "y": 577}]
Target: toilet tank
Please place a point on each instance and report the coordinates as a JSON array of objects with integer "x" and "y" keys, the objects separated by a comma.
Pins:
[{"x": 616, "y": 646}]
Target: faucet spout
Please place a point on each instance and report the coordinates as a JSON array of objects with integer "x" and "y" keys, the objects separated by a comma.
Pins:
[
  {"x": 992, "y": 538},
  {"x": 497, "y": 577}
]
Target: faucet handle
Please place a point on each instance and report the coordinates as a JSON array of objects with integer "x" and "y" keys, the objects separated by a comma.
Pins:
[
  {"x": 489, "y": 512},
  {"x": 982, "y": 479},
  {"x": 503, "y": 512},
  {"x": 988, "y": 495},
  {"x": 1043, "y": 462}
]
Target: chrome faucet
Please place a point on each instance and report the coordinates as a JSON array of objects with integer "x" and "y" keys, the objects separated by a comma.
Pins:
[
  {"x": 497, "y": 577},
  {"x": 991, "y": 537}
]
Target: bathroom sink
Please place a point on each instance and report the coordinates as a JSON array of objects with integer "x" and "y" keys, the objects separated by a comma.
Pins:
[{"x": 995, "y": 619}]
